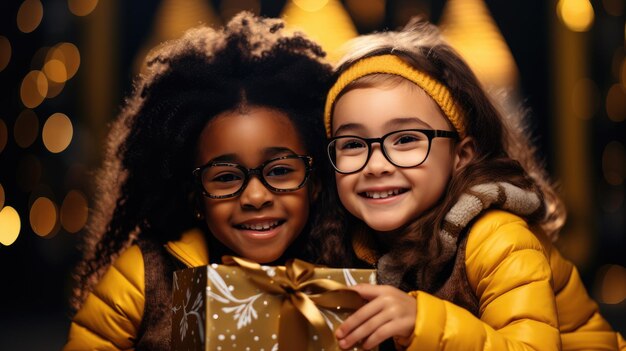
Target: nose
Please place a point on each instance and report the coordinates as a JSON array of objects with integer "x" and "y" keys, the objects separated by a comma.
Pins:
[
  {"x": 378, "y": 164},
  {"x": 256, "y": 195}
]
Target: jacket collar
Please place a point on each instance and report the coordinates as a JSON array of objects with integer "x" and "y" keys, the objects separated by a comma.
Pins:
[{"x": 191, "y": 249}]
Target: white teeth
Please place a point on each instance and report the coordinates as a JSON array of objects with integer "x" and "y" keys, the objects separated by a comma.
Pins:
[
  {"x": 382, "y": 194},
  {"x": 260, "y": 226}
]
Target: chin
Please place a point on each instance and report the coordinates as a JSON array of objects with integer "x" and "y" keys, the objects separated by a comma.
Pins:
[{"x": 383, "y": 227}]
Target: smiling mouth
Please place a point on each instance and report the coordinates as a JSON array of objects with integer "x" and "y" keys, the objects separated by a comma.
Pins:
[
  {"x": 260, "y": 227},
  {"x": 383, "y": 194}
]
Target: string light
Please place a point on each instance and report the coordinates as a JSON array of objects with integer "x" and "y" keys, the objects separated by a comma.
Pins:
[
  {"x": 43, "y": 216},
  {"x": 74, "y": 211},
  {"x": 9, "y": 225},
  {"x": 577, "y": 15},
  {"x": 34, "y": 88},
  {"x": 57, "y": 133},
  {"x": 82, "y": 7},
  {"x": 4, "y": 135},
  {"x": 5, "y": 52},
  {"x": 29, "y": 15}
]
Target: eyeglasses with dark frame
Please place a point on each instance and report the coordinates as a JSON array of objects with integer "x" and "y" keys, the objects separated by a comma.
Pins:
[
  {"x": 404, "y": 148},
  {"x": 220, "y": 180}
]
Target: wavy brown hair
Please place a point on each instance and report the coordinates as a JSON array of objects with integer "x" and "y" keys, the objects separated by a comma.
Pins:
[
  {"x": 503, "y": 152},
  {"x": 145, "y": 187}
]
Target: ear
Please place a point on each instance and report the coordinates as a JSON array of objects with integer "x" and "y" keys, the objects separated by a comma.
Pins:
[
  {"x": 464, "y": 152},
  {"x": 315, "y": 186}
]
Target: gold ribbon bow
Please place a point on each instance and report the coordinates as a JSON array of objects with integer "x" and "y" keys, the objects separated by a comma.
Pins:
[{"x": 303, "y": 296}]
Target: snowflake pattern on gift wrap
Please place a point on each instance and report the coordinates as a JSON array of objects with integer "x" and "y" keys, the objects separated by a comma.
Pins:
[{"x": 244, "y": 311}]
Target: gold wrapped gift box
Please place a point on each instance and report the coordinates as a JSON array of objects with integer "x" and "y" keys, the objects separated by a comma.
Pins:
[{"x": 241, "y": 305}]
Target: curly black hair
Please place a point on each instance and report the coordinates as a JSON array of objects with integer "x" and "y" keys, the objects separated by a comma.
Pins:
[{"x": 145, "y": 187}]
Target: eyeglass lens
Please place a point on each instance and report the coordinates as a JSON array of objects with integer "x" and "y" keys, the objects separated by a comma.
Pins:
[
  {"x": 281, "y": 174},
  {"x": 406, "y": 148}
]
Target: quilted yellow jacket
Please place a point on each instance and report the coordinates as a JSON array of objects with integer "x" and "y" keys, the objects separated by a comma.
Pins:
[
  {"x": 516, "y": 301},
  {"x": 515, "y": 275},
  {"x": 111, "y": 315}
]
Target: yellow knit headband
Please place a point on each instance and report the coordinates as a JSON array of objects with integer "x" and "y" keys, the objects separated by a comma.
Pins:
[{"x": 391, "y": 64}]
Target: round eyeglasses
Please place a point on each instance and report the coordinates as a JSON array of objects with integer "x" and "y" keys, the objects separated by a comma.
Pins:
[
  {"x": 403, "y": 148},
  {"x": 220, "y": 180}
]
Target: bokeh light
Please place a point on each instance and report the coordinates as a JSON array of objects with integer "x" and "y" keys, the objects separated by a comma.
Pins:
[
  {"x": 28, "y": 172},
  {"x": 230, "y": 8},
  {"x": 585, "y": 98},
  {"x": 55, "y": 71},
  {"x": 57, "y": 133},
  {"x": 34, "y": 88},
  {"x": 68, "y": 55},
  {"x": 613, "y": 7},
  {"x": 5, "y": 52},
  {"x": 310, "y": 5},
  {"x": 622, "y": 73},
  {"x": 611, "y": 284},
  {"x": 614, "y": 163},
  {"x": 74, "y": 211},
  {"x": 1, "y": 196},
  {"x": 26, "y": 128},
  {"x": 81, "y": 7},
  {"x": 616, "y": 103},
  {"x": 9, "y": 225},
  {"x": 54, "y": 89},
  {"x": 577, "y": 15},
  {"x": 368, "y": 13},
  {"x": 4, "y": 135},
  {"x": 43, "y": 216},
  {"x": 29, "y": 15}
]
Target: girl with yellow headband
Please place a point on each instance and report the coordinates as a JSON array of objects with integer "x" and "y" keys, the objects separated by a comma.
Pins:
[{"x": 447, "y": 200}]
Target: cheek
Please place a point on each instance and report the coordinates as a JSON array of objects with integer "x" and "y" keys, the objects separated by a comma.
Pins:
[{"x": 345, "y": 188}]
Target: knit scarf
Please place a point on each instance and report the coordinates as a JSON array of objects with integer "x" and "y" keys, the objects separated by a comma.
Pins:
[{"x": 444, "y": 275}]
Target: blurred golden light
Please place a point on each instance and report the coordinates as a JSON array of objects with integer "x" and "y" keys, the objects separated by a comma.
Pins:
[
  {"x": 229, "y": 8},
  {"x": 310, "y": 5},
  {"x": 5, "y": 52},
  {"x": 613, "y": 7},
  {"x": 81, "y": 7},
  {"x": 614, "y": 163},
  {"x": 54, "y": 89},
  {"x": 29, "y": 15},
  {"x": 330, "y": 26},
  {"x": 368, "y": 13},
  {"x": 4, "y": 135},
  {"x": 585, "y": 98},
  {"x": 616, "y": 103},
  {"x": 74, "y": 211},
  {"x": 577, "y": 15},
  {"x": 469, "y": 28},
  {"x": 9, "y": 225},
  {"x": 57, "y": 133},
  {"x": 34, "y": 88},
  {"x": 612, "y": 287},
  {"x": 39, "y": 57},
  {"x": 55, "y": 71},
  {"x": 26, "y": 128},
  {"x": 43, "y": 216},
  {"x": 68, "y": 55},
  {"x": 1, "y": 196},
  {"x": 622, "y": 73},
  {"x": 28, "y": 172}
]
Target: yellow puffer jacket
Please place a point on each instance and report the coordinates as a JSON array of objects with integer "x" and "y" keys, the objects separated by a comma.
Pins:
[
  {"x": 515, "y": 275},
  {"x": 111, "y": 315}
]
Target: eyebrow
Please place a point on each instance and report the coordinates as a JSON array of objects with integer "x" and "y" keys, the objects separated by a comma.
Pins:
[
  {"x": 269, "y": 152},
  {"x": 395, "y": 123}
]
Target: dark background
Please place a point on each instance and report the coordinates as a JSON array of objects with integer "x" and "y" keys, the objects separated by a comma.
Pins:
[{"x": 35, "y": 271}]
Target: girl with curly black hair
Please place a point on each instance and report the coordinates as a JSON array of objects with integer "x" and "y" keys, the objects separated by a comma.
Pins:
[{"x": 216, "y": 152}]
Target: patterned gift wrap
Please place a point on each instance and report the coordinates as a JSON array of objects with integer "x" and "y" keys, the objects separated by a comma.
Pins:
[{"x": 220, "y": 307}]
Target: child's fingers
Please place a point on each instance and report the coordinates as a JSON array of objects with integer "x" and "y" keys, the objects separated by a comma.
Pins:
[
  {"x": 359, "y": 317},
  {"x": 364, "y": 326},
  {"x": 369, "y": 291}
]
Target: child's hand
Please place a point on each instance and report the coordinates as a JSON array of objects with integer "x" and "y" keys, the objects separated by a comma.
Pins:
[{"x": 390, "y": 312}]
